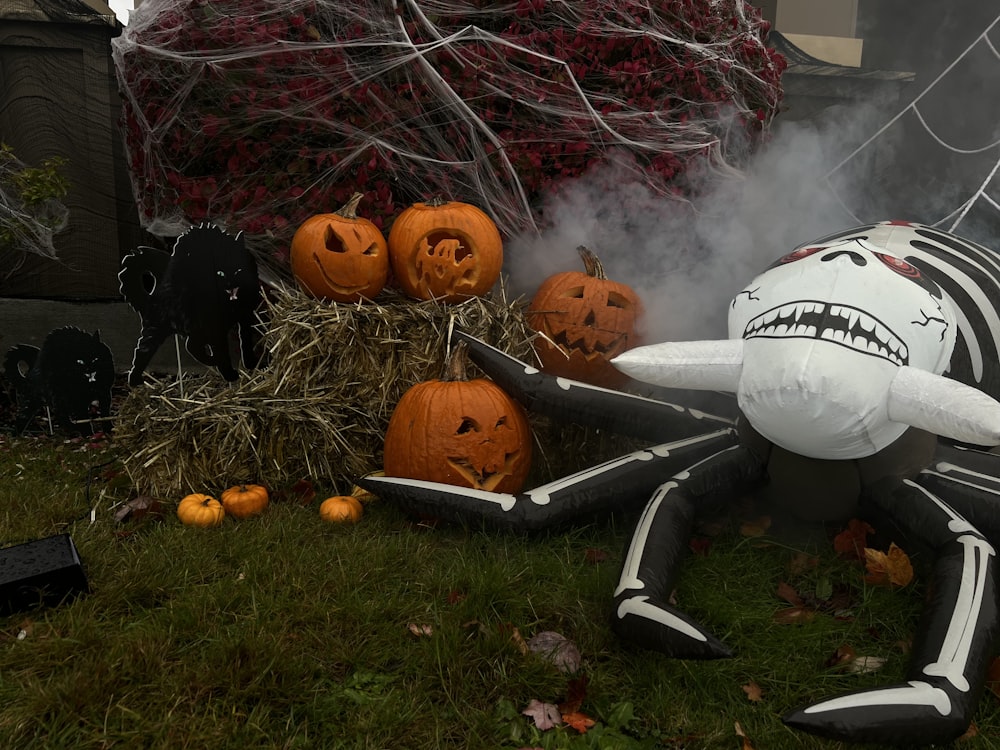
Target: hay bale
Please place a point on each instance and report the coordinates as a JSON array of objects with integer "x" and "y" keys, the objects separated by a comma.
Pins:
[{"x": 320, "y": 407}]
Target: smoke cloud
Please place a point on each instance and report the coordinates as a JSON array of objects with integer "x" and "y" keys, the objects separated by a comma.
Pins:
[{"x": 687, "y": 260}]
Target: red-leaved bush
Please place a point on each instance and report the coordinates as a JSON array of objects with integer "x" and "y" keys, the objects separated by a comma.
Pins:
[{"x": 260, "y": 113}]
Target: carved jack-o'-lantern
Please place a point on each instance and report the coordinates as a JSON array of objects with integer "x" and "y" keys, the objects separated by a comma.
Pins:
[
  {"x": 584, "y": 320},
  {"x": 340, "y": 256},
  {"x": 458, "y": 431},
  {"x": 445, "y": 250}
]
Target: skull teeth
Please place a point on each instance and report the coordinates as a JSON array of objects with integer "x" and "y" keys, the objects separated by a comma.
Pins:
[{"x": 840, "y": 324}]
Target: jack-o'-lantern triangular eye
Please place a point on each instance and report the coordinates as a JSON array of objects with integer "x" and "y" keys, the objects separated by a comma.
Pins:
[
  {"x": 332, "y": 241},
  {"x": 372, "y": 249},
  {"x": 574, "y": 292},
  {"x": 468, "y": 425},
  {"x": 619, "y": 300}
]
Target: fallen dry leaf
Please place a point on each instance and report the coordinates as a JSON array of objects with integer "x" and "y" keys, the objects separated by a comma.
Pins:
[
  {"x": 888, "y": 569},
  {"x": 545, "y": 715},
  {"x": 787, "y": 592},
  {"x": 754, "y": 692},
  {"x": 576, "y": 693},
  {"x": 852, "y": 541},
  {"x": 747, "y": 745},
  {"x": 972, "y": 731},
  {"x": 515, "y": 635},
  {"x": 140, "y": 508},
  {"x": 843, "y": 656},
  {"x": 793, "y": 615},
  {"x": 580, "y": 722},
  {"x": 421, "y": 631},
  {"x": 700, "y": 545},
  {"x": 593, "y": 555},
  {"x": 754, "y": 527},
  {"x": 802, "y": 563},
  {"x": 866, "y": 664},
  {"x": 556, "y": 649}
]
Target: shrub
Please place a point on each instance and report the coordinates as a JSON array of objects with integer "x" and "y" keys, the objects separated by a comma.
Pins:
[{"x": 259, "y": 113}]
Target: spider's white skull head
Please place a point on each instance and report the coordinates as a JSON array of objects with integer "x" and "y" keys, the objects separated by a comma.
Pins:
[{"x": 825, "y": 330}]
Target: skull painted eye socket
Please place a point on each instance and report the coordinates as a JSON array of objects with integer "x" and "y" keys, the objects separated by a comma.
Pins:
[
  {"x": 910, "y": 271},
  {"x": 799, "y": 254},
  {"x": 900, "y": 266}
]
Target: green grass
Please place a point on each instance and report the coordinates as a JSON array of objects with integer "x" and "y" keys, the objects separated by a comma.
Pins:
[{"x": 285, "y": 631}]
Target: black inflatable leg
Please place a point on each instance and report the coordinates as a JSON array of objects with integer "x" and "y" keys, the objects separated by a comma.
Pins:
[
  {"x": 659, "y": 544},
  {"x": 621, "y": 483},
  {"x": 589, "y": 405},
  {"x": 955, "y": 639},
  {"x": 969, "y": 481}
]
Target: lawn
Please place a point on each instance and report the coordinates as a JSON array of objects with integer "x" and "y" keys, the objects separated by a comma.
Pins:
[{"x": 287, "y": 631}]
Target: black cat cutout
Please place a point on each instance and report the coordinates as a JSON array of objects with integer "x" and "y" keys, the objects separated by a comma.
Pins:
[
  {"x": 202, "y": 290},
  {"x": 72, "y": 373}
]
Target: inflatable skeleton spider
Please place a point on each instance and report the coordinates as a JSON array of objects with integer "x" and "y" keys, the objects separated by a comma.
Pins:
[{"x": 849, "y": 357}]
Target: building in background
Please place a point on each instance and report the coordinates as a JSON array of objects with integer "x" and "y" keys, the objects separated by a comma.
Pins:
[{"x": 58, "y": 97}]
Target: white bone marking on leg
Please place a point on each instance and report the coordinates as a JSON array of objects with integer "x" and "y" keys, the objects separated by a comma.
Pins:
[
  {"x": 945, "y": 469},
  {"x": 957, "y": 524},
  {"x": 503, "y": 499},
  {"x": 915, "y": 693},
  {"x": 640, "y": 607},
  {"x": 630, "y": 571},
  {"x": 954, "y": 655},
  {"x": 543, "y": 495}
]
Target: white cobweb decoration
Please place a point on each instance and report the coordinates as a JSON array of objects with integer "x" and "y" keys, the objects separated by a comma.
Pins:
[
  {"x": 28, "y": 226},
  {"x": 259, "y": 113},
  {"x": 952, "y": 174}
]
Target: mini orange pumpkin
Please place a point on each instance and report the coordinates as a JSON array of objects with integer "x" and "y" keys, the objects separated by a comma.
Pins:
[
  {"x": 200, "y": 510},
  {"x": 245, "y": 500},
  {"x": 341, "y": 509},
  {"x": 445, "y": 250},
  {"x": 458, "y": 431},
  {"x": 340, "y": 256},
  {"x": 584, "y": 320}
]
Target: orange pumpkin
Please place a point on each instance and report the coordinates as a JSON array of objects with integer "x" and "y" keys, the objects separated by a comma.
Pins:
[
  {"x": 245, "y": 500},
  {"x": 445, "y": 250},
  {"x": 340, "y": 256},
  {"x": 200, "y": 510},
  {"x": 341, "y": 509},
  {"x": 459, "y": 431},
  {"x": 583, "y": 321}
]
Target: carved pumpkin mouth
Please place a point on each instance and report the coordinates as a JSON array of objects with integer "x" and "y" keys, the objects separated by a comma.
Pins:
[
  {"x": 482, "y": 477},
  {"x": 334, "y": 284},
  {"x": 587, "y": 341}
]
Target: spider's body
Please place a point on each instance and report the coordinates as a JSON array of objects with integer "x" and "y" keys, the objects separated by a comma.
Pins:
[{"x": 849, "y": 357}]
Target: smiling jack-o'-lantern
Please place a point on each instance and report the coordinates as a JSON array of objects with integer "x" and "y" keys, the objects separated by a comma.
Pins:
[
  {"x": 340, "y": 256},
  {"x": 445, "y": 250},
  {"x": 583, "y": 321},
  {"x": 459, "y": 431}
]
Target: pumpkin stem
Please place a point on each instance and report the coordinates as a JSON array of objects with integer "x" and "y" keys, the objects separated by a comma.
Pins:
[
  {"x": 456, "y": 368},
  {"x": 592, "y": 263},
  {"x": 436, "y": 202},
  {"x": 350, "y": 209}
]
